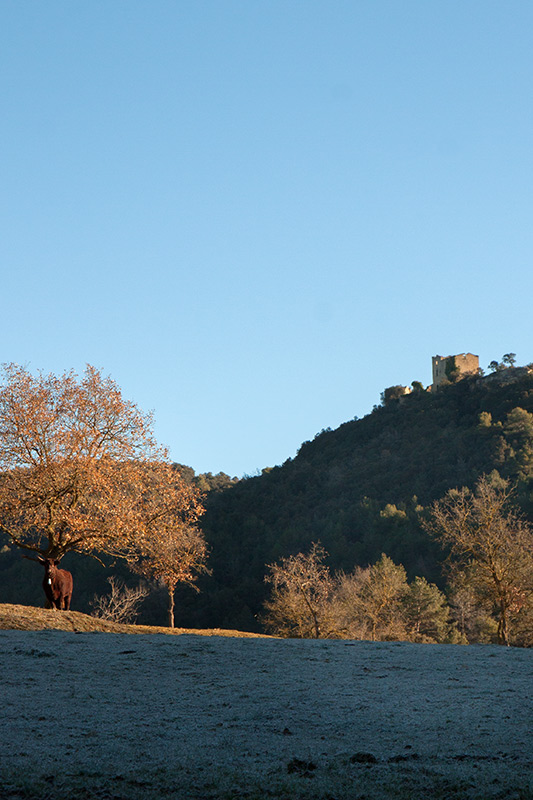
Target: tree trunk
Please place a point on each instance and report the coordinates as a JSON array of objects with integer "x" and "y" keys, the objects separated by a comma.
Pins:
[
  {"x": 313, "y": 613},
  {"x": 171, "y": 606},
  {"x": 316, "y": 626},
  {"x": 503, "y": 631}
]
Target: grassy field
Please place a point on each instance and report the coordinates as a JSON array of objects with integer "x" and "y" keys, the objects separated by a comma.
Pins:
[{"x": 91, "y": 711}]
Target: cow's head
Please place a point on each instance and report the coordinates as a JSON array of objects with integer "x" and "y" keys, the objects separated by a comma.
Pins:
[{"x": 50, "y": 566}]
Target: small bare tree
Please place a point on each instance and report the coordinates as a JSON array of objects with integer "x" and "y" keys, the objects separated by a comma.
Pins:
[
  {"x": 301, "y": 591},
  {"x": 369, "y": 602},
  {"x": 471, "y": 610},
  {"x": 121, "y": 604},
  {"x": 173, "y": 549},
  {"x": 490, "y": 544}
]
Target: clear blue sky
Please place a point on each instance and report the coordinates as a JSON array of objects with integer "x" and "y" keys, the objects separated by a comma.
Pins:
[{"x": 256, "y": 215}]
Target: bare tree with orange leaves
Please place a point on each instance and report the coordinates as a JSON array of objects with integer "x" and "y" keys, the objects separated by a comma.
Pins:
[
  {"x": 490, "y": 549},
  {"x": 80, "y": 470},
  {"x": 173, "y": 549}
]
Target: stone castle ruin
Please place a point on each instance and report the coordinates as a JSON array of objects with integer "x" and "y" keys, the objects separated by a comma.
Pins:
[
  {"x": 449, "y": 369},
  {"x": 452, "y": 368}
]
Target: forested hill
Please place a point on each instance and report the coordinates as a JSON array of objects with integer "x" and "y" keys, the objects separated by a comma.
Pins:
[{"x": 360, "y": 490}]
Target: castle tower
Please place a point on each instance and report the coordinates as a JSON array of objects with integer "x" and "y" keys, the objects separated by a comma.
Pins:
[{"x": 445, "y": 367}]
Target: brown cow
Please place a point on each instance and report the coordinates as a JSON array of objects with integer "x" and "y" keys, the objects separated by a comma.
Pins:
[{"x": 57, "y": 584}]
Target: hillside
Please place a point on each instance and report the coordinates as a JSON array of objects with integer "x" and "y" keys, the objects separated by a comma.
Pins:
[{"x": 361, "y": 489}]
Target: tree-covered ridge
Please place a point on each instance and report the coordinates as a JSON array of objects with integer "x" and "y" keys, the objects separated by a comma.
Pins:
[
  {"x": 361, "y": 489},
  {"x": 206, "y": 481}
]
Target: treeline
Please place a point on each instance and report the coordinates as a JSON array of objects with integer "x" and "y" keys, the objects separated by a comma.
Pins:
[
  {"x": 489, "y": 591},
  {"x": 362, "y": 490},
  {"x": 375, "y": 603}
]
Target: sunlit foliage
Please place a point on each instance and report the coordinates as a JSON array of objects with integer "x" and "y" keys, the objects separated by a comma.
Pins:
[{"x": 81, "y": 471}]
